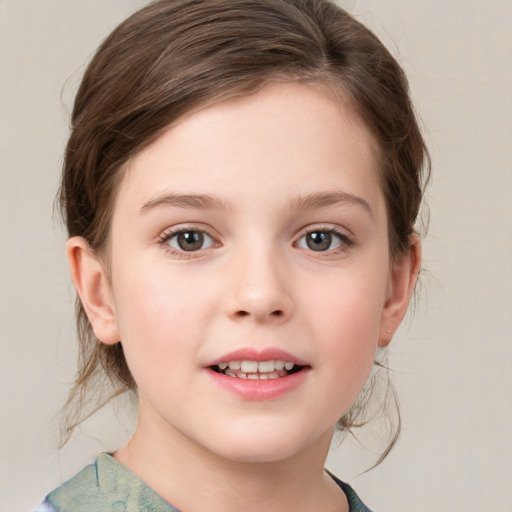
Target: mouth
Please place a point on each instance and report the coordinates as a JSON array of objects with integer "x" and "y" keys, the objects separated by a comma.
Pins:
[
  {"x": 259, "y": 374},
  {"x": 257, "y": 370}
]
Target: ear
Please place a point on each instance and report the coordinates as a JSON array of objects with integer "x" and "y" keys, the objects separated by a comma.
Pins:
[
  {"x": 93, "y": 286},
  {"x": 403, "y": 277}
]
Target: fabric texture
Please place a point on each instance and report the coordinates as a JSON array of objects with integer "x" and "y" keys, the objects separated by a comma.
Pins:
[{"x": 108, "y": 486}]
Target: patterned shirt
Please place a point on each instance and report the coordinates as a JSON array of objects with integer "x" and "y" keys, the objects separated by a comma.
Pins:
[{"x": 108, "y": 486}]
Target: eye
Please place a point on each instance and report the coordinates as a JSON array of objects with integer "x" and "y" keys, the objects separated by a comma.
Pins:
[
  {"x": 189, "y": 240},
  {"x": 322, "y": 240}
]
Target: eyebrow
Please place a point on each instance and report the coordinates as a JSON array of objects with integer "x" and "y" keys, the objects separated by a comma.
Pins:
[
  {"x": 208, "y": 202},
  {"x": 325, "y": 199},
  {"x": 194, "y": 201}
]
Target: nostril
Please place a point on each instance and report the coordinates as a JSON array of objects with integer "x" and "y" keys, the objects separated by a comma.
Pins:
[{"x": 278, "y": 313}]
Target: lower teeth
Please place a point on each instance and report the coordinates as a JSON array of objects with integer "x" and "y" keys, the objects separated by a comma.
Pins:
[
  {"x": 276, "y": 374},
  {"x": 256, "y": 376}
]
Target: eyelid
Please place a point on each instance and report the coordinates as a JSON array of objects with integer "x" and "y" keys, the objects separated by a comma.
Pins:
[
  {"x": 170, "y": 232},
  {"x": 173, "y": 240},
  {"x": 345, "y": 237}
]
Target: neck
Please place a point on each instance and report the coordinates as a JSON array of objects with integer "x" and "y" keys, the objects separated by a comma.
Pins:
[{"x": 177, "y": 469}]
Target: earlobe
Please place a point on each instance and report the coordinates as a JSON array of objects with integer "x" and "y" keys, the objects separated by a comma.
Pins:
[
  {"x": 403, "y": 277},
  {"x": 93, "y": 287}
]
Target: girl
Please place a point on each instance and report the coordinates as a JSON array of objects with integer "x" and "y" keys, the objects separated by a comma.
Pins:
[{"x": 240, "y": 189}]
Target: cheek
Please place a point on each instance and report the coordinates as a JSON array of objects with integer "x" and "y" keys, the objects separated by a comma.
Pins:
[
  {"x": 159, "y": 319},
  {"x": 347, "y": 305},
  {"x": 345, "y": 321},
  {"x": 153, "y": 295}
]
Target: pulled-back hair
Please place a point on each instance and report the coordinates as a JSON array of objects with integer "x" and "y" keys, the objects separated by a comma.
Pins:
[{"x": 175, "y": 56}]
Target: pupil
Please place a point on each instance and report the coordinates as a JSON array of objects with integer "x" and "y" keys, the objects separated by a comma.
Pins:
[
  {"x": 190, "y": 240},
  {"x": 319, "y": 241}
]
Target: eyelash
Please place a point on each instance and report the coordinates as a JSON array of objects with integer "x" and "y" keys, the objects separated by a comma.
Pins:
[
  {"x": 164, "y": 239},
  {"x": 345, "y": 242}
]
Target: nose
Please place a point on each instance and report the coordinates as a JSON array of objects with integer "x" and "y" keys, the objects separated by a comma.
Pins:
[{"x": 259, "y": 289}]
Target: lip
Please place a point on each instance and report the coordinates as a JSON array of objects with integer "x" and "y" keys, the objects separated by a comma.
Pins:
[
  {"x": 253, "y": 354},
  {"x": 258, "y": 390}
]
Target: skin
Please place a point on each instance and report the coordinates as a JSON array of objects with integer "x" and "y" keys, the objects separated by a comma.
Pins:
[{"x": 285, "y": 161}]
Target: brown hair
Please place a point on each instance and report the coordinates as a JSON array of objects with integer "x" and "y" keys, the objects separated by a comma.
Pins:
[{"x": 173, "y": 56}]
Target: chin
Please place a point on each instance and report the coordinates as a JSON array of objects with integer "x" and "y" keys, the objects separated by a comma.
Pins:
[{"x": 267, "y": 445}]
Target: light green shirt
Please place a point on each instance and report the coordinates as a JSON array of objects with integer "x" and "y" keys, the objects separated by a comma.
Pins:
[{"x": 108, "y": 486}]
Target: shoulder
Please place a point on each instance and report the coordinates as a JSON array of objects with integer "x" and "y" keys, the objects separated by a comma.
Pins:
[
  {"x": 103, "y": 486},
  {"x": 354, "y": 502}
]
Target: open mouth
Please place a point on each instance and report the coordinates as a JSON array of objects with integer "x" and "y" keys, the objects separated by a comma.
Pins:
[{"x": 260, "y": 370}]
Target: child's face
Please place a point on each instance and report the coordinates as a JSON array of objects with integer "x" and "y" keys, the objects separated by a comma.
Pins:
[{"x": 254, "y": 229}]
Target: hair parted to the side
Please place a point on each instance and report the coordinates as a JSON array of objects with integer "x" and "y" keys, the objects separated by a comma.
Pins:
[{"x": 175, "y": 56}]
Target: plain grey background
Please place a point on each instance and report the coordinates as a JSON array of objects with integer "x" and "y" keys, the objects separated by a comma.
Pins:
[{"x": 452, "y": 361}]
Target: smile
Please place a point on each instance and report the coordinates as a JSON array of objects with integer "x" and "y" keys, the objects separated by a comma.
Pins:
[{"x": 257, "y": 370}]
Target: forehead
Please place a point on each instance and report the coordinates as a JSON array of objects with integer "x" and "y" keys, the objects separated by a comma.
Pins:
[{"x": 289, "y": 137}]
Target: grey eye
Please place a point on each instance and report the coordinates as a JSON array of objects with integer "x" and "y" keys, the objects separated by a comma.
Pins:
[{"x": 320, "y": 241}]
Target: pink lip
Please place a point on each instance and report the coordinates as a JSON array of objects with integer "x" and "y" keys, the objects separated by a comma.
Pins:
[
  {"x": 259, "y": 390},
  {"x": 255, "y": 389},
  {"x": 253, "y": 354}
]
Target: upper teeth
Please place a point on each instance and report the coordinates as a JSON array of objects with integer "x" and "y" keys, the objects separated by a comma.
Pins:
[{"x": 256, "y": 366}]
